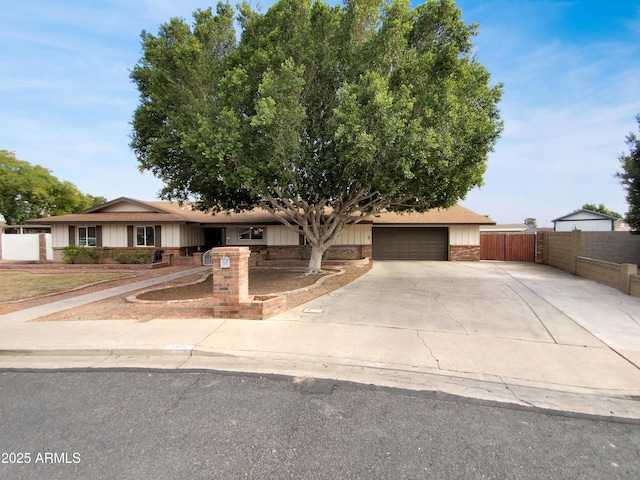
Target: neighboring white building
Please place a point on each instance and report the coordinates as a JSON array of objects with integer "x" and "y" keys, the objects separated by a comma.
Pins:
[{"x": 585, "y": 220}]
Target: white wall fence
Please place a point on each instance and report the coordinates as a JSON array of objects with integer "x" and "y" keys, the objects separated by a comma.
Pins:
[{"x": 26, "y": 247}]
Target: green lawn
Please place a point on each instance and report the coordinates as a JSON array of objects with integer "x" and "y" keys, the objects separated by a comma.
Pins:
[{"x": 21, "y": 285}]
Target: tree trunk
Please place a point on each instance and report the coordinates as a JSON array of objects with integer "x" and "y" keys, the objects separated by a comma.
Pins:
[{"x": 315, "y": 262}]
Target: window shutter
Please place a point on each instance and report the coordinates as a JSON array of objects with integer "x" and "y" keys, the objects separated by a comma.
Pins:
[
  {"x": 72, "y": 235},
  {"x": 98, "y": 235},
  {"x": 158, "y": 236},
  {"x": 129, "y": 235}
]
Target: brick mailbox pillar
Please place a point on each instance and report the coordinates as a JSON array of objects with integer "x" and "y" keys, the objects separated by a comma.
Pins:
[
  {"x": 231, "y": 297},
  {"x": 230, "y": 280}
]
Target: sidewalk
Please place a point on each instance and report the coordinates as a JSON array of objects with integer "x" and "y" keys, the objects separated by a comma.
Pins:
[{"x": 562, "y": 367}]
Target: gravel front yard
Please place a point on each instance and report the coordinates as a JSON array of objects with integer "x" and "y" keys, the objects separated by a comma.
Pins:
[{"x": 261, "y": 282}]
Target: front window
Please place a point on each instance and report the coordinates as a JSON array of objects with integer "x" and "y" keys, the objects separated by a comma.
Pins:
[
  {"x": 250, "y": 233},
  {"x": 87, "y": 236},
  {"x": 145, "y": 236}
]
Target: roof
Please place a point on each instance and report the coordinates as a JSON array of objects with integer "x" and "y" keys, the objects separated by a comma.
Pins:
[
  {"x": 455, "y": 215},
  {"x": 127, "y": 210},
  {"x": 576, "y": 213}
]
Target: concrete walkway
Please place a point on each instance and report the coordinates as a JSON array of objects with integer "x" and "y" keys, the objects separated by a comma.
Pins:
[{"x": 511, "y": 333}]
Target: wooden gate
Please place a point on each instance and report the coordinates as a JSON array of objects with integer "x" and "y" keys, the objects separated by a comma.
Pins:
[{"x": 515, "y": 247}]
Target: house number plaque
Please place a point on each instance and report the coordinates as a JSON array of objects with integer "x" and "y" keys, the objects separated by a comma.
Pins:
[{"x": 225, "y": 262}]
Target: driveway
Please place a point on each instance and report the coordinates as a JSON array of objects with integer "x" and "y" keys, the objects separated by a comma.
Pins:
[{"x": 478, "y": 301}]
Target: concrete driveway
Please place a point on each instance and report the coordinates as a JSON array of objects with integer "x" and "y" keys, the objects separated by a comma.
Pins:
[
  {"x": 522, "y": 324},
  {"x": 507, "y": 300}
]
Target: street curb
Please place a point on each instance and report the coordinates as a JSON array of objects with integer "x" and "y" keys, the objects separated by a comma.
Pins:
[
  {"x": 480, "y": 391},
  {"x": 337, "y": 383},
  {"x": 89, "y": 352}
]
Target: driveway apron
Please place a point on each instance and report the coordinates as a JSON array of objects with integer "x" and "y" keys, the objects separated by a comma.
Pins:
[{"x": 525, "y": 322}]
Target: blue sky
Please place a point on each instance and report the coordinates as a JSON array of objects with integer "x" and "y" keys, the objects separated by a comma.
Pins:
[{"x": 571, "y": 71}]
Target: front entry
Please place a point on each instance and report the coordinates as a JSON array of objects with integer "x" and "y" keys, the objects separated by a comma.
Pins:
[{"x": 214, "y": 237}]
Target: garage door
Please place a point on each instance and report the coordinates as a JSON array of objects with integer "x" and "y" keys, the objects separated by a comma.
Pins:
[{"x": 410, "y": 243}]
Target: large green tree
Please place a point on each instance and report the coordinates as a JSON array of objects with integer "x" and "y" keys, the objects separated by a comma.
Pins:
[
  {"x": 30, "y": 191},
  {"x": 630, "y": 178},
  {"x": 322, "y": 115},
  {"x": 601, "y": 208}
]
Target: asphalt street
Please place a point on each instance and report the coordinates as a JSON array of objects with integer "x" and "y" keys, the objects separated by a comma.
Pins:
[{"x": 180, "y": 425}]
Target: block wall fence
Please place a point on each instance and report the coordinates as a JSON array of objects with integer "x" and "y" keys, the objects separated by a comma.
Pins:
[
  {"x": 610, "y": 258},
  {"x": 26, "y": 247}
]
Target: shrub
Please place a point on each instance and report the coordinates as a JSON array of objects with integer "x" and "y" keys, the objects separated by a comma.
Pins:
[
  {"x": 77, "y": 254},
  {"x": 132, "y": 256}
]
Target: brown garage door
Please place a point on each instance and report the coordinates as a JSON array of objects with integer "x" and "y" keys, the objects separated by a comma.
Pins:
[{"x": 410, "y": 243}]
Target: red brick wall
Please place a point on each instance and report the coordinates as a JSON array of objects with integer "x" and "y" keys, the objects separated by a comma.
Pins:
[
  {"x": 345, "y": 252},
  {"x": 185, "y": 261},
  {"x": 288, "y": 252},
  {"x": 303, "y": 252},
  {"x": 42, "y": 254}
]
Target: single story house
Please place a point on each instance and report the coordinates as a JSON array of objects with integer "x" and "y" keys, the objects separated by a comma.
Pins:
[
  {"x": 126, "y": 223},
  {"x": 587, "y": 221}
]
